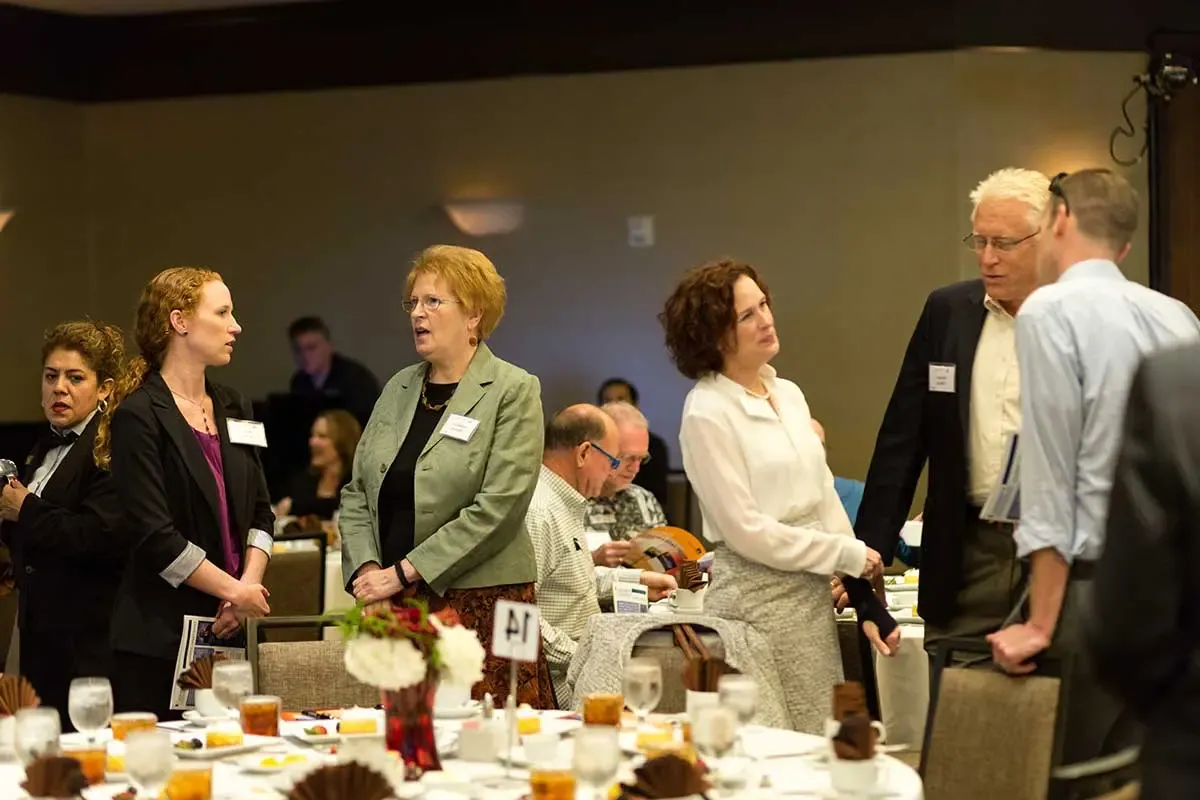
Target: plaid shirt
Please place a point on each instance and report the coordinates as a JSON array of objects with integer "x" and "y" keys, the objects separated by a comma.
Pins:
[
  {"x": 568, "y": 586},
  {"x": 626, "y": 514}
]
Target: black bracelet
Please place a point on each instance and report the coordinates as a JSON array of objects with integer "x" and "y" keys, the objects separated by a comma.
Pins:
[{"x": 404, "y": 583}]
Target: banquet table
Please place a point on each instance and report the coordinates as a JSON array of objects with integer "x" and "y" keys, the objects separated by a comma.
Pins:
[{"x": 787, "y": 764}]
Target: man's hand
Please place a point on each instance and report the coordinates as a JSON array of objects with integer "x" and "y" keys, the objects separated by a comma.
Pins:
[
  {"x": 12, "y": 497},
  {"x": 374, "y": 585},
  {"x": 890, "y": 646},
  {"x": 841, "y": 598},
  {"x": 660, "y": 584},
  {"x": 611, "y": 554},
  {"x": 1013, "y": 647}
]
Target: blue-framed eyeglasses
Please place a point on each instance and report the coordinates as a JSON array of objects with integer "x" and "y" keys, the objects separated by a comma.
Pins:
[{"x": 613, "y": 461}]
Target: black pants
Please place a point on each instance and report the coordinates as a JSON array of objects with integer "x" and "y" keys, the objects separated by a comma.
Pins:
[
  {"x": 51, "y": 659},
  {"x": 144, "y": 683}
]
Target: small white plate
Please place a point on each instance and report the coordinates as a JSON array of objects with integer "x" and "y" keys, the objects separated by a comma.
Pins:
[
  {"x": 255, "y": 766},
  {"x": 197, "y": 719},
  {"x": 465, "y": 711},
  {"x": 249, "y": 744}
]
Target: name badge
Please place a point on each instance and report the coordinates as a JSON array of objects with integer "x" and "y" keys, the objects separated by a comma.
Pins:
[
  {"x": 941, "y": 378},
  {"x": 596, "y": 539},
  {"x": 246, "y": 431},
  {"x": 460, "y": 427}
]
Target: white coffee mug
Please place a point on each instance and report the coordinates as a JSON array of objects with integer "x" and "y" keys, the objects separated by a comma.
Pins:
[
  {"x": 832, "y": 726},
  {"x": 853, "y": 776},
  {"x": 207, "y": 704},
  {"x": 688, "y": 602},
  {"x": 699, "y": 700}
]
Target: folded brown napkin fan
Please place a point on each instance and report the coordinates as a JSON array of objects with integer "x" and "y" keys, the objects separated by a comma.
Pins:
[
  {"x": 849, "y": 698},
  {"x": 16, "y": 693},
  {"x": 352, "y": 781},
  {"x": 666, "y": 776},
  {"x": 701, "y": 671},
  {"x": 689, "y": 576},
  {"x": 855, "y": 739},
  {"x": 54, "y": 776},
  {"x": 199, "y": 674}
]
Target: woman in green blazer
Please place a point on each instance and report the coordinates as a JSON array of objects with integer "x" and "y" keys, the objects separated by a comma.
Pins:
[{"x": 447, "y": 464}]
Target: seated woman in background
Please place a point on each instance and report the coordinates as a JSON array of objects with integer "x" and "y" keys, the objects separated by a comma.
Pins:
[
  {"x": 766, "y": 494},
  {"x": 317, "y": 490},
  {"x": 58, "y": 522},
  {"x": 447, "y": 466}
]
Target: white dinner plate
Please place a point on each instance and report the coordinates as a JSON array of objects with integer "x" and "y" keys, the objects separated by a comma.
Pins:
[
  {"x": 255, "y": 766},
  {"x": 249, "y": 744},
  {"x": 196, "y": 718},
  {"x": 465, "y": 711}
]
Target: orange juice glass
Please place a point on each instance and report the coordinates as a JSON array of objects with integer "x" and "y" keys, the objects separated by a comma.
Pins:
[
  {"x": 603, "y": 709},
  {"x": 190, "y": 782},
  {"x": 122, "y": 724},
  {"x": 551, "y": 784},
  {"x": 260, "y": 715},
  {"x": 92, "y": 758}
]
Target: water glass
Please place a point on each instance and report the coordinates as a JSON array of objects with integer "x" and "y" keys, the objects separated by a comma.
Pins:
[
  {"x": 149, "y": 761},
  {"x": 36, "y": 733},
  {"x": 643, "y": 687},
  {"x": 232, "y": 681},
  {"x": 740, "y": 693},
  {"x": 597, "y": 757},
  {"x": 715, "y": 736},
  {"x": 90, "y": 704}
]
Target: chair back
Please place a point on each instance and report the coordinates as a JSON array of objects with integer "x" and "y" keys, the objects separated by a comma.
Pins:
[
  {"x": 296, "y": 580},
  {"x": 306, "y": 675}
]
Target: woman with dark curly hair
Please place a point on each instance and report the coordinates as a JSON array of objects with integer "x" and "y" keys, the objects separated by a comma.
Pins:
[{"x": 766, "y": 494}]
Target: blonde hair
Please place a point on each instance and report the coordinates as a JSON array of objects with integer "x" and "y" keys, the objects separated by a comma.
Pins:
[
  {"x": 470, "y": 275},
  {"x": 1012, "y": 183},
  {"x": 102, "y": 348},
  {"x": 1104, "y": 205}
]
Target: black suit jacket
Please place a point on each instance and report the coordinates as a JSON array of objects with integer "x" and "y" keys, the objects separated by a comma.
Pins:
[
  {"x": 653, "y": 476},
  {"x": 349, "y": 385},
  {"x": 921, "y": 426},
  {"x": 67, "y": 558},
  {"x": 169, "y": 498},
  {"x": 1144, "y": 625}
]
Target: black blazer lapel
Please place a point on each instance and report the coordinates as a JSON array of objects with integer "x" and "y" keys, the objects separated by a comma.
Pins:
[
  {"x": 968, "y": 324},
  {"x": 184, "y": 440},
  {"x": 73, "y": 465},
  {"x": 233, "y": 461}
]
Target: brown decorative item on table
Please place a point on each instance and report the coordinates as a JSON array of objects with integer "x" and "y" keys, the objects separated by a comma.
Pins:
[
  {"x": 701, "y": 671},
  {"x": 54, "y": 776},
  {"x": 666, "y": 776},
  {"x": 849, "y": 699},
  {"x": 690, "y": 577},
  {"x": 199, "y": 674},
  {"x": 352, "y": 781},
  {"x": 855, "y": 739},
  {"x": 16, "y": 693}
]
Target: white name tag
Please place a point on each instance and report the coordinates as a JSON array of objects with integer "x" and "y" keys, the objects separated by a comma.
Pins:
[
  {"x": 941, "y": 378},
  {"x": 246, "y": 431},
  {"x": 460, "y": 427}
]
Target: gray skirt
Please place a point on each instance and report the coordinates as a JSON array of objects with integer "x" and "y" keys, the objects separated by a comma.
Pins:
[{"x": 794, "y": 612}]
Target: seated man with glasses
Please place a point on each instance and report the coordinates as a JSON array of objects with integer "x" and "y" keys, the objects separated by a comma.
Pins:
[
  {"x": 577, "y": 459},
  {"x": 624, "y": 509}
]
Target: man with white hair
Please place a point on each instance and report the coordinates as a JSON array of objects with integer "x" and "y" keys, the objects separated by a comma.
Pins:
[
  {"x": 624, "y": 509},
  {"x": 955, "y": 403},
  {"x": 1080, "y": 339}
]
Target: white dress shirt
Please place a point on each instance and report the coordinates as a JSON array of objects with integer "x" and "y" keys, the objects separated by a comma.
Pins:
[
  {"x": 761, "y": 478},
  {"x": 1079, "y": 342},
  {"x": 54, "y": 456}
]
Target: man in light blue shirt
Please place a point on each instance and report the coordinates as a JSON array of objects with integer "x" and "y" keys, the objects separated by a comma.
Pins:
[{"x": 1080, "y": 338}]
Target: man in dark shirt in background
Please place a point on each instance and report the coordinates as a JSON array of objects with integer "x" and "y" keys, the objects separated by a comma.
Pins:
[{"x": 321, "y": 371}]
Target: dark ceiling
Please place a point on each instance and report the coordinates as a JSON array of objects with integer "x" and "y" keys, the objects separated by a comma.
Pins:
[{"x": 373, "y": 42}]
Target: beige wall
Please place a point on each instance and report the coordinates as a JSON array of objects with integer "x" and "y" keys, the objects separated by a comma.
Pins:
[{"x": 844, "y": 180}]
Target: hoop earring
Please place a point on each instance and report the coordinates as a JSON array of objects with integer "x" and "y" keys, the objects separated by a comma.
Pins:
[{"x": 103, "y": 406}]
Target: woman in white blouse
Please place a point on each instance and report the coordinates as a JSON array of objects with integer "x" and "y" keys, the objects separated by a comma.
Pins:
[{"x": 766, "y": 494}]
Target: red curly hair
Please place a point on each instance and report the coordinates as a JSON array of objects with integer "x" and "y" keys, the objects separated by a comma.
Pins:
[{"x": 699, "y": 316}]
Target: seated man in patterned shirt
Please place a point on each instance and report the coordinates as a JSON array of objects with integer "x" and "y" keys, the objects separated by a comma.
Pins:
[
  {"x": 624, "y": 509},
  {"x": 578, "y": 456}
]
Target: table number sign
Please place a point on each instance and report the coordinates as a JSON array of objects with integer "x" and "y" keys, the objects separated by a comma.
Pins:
[{"x": 516, "y": 632}]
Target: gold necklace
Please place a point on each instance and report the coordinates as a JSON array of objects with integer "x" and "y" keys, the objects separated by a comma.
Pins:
[
  {"x": 203, "y": 413},
  {"x": 428, "y": 406},
  {"x": 766, "y": 395}
]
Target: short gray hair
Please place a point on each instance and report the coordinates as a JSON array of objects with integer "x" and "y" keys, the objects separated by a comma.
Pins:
[
  {"x": 1012, "y": 183},
  {"x": 625, "y": 414}
]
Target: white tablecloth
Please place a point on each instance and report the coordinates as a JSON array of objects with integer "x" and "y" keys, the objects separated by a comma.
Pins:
[{"x": 790, "y": 764}]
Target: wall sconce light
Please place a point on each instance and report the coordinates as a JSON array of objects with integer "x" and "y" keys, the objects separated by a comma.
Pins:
[
  {"x": 486, "y": 217},
  {"x": 5, "y": 215}
]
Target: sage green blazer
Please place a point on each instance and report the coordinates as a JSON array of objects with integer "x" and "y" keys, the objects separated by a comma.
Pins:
[{"x": 471, "y": 496}]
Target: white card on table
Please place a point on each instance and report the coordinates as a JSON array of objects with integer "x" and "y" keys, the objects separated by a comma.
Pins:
[
  {"x": 516, "y": 632},
  {"x": 941, "y": 378},
  {"x": 246, "y": 431},
  {"x": 460, "y": 427}
]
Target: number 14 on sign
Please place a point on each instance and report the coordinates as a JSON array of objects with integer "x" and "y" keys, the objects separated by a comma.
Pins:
[{"x": 516, "y": 634}]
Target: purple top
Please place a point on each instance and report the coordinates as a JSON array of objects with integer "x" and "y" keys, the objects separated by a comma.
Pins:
[{"x": 211, "y": 445}]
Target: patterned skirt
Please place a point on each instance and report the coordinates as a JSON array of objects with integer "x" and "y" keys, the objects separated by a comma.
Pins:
[
  {"x": 794, "y": 612},
  {"x": 476, "y": 608}
]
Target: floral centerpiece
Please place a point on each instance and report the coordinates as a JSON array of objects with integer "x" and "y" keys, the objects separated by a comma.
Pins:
[{"x": 407, "y": 652}]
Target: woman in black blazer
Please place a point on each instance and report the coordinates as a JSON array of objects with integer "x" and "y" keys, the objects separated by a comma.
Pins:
[
  {"x": 186, "y": 466},
  {"x": 58, "y": 520}
]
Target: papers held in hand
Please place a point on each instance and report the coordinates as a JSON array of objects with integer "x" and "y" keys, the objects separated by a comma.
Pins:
[{"x": 1004, "y": 503}]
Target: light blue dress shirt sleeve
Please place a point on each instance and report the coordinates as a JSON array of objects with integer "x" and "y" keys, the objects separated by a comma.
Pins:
[{"x": 1052, "y": 418}]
